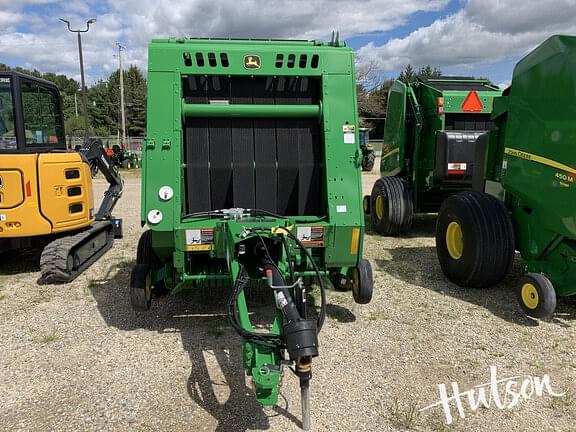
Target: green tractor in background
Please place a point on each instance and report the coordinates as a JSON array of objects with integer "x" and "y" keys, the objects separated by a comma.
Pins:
[
  {"x": 124, "y": 158},
  {"x": 368, "y": 153},
  {"x": 524, "y": 195},
  {"x": 252, "y": 177},
  {"x": 428, "y": 147}
]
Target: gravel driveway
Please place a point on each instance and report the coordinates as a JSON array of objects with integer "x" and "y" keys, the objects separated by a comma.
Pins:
[{"x": 75, "y": 357}]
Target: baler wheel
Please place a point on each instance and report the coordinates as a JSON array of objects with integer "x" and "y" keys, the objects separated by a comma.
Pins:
[
  {"x": 362, "y": 282},
  {"x": 140, "y": 288},
  {"x": 145, "y": 255},
  {"x": 536, "y": 296},
  {"x": 474, "y": 239},
  {"x": 366, "y": 204},
  {"x": 391, "y": 206}
]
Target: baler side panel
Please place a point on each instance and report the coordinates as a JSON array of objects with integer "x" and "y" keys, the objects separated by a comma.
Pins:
[
  {"x": 538, "y": 169},
  {"x": 395, "y": 133}
]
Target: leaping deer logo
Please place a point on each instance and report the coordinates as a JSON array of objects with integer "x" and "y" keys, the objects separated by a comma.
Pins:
[{"x": 252, "y": 62}]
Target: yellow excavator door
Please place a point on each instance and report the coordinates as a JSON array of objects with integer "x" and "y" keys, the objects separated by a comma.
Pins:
[{"x": 62, "y": 200}]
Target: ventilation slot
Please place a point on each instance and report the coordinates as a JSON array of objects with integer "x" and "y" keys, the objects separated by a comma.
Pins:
[
  {"x": 291, "y": 60},
  {"x": 187, "y": 59},
  {"x": 74, "y": 191},
  {"x": 279, "y": 60},
  {"x": 199, "y": 59},
  {"x": 303, "y": 60},
  {"x": 72, "y": 174},
  {"x": 224, "y": 60},
  {"x": 212, "y": 59},
  {"x": 75, "y": 208},
  {"x": 315, "y": 61}
]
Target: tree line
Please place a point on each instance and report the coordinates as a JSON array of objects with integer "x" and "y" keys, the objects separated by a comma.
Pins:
[
  {"x": 372, "y": 92},
  {"x": 103, "y": 97}
]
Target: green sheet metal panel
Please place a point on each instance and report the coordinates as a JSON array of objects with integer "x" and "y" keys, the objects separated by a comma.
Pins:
[
  {"x": 539, "y": 161},
  {"x": 395, "y": 133}
]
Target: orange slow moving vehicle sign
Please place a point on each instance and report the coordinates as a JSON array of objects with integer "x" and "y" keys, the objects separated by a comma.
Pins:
[{"x": 472, "y": 103}]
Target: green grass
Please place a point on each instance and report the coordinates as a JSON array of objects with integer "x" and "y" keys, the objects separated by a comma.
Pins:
[
  {"x": 563, "y": 404},
  {"x": 47, "y": 338},
  {"x": 403, "y": 416}
]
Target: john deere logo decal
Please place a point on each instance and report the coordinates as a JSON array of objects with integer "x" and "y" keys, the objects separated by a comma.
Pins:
[{"x": 252, "y": 62}]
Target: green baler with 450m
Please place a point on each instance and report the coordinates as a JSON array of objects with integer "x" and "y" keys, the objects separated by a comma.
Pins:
[
  {"x": 525, "y": 180},
  {"x": 250, "y": 173}
]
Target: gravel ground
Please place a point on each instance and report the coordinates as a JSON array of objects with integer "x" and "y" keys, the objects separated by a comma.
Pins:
[{"x": 76, "y": 357}]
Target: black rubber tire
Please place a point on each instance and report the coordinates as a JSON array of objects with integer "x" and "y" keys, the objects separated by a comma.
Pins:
[
  {"x": 398, "y": 208},
  {"x": 362, "y": 282},
  {"x": 145, "y": 255},
  {"x": 366, "y": 204},
  {"x": 368, "y": 161},
  {"x": 140, "y": 292},
  {"x": 487, "y": 238},
  {"x": 545, "y": 299}
]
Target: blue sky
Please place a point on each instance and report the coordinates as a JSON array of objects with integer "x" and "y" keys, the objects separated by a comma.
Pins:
[{"x": 467, "y": 37}]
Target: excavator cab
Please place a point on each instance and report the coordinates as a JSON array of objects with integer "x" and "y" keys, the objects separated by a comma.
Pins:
[{"x": 46, "y": 197}]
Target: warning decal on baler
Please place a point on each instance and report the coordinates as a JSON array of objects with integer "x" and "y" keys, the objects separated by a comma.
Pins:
[{"x": 349, "y": 134}]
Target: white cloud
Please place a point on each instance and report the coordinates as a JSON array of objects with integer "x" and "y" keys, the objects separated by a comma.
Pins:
[
  {"x": 51, "y": 48},
  {"x": 484, "y": 31}
]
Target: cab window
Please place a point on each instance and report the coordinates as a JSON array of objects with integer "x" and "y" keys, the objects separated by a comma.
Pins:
[
  {"x": 42, "y": 116},
  {"x": 7, "y": 134}
]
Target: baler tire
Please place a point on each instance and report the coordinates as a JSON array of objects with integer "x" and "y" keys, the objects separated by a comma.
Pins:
[
  {"x": 140, "y": 288},
  {"x": 391, "y": 206},
  {"x": 145, "y": 255},
  {"x": 536, "y": 296},
  {"x": 368, "y": 161},
  {"x": 482, "y": 222},
  {"x": 362, "y": 282},
  {"x": 366, "y": 204}
]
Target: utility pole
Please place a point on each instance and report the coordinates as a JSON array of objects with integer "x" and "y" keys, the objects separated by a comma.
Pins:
[
  {"x": 84, "y": 101},
  {"x": 75, "y": 104},
  {"x": 120, "y": 48}
]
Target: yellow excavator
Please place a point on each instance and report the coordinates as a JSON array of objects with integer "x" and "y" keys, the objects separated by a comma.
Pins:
[{"x": 46, "y": 197}]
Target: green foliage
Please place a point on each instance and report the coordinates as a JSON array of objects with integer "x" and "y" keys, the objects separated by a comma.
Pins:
[
  {"x": 408, "y": 74},
  {"x": 103, "y": 102}
]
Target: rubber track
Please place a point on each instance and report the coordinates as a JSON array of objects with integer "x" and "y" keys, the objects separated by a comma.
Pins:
[{"x": 53, "y": 262}]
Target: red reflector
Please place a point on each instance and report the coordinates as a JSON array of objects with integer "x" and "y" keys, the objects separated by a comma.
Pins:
[
  {"x": 268, "y": 272},
  {"x": 28, "y": 189},
  {"x": 456, "y": 172},
  {"x": 472, "y": 103}
]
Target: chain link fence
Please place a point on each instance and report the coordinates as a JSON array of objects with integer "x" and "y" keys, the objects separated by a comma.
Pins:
[{"x": 132, "y": 143}]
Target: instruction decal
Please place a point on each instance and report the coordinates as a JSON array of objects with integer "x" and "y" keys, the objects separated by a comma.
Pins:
[{"x": 349, "y": 132}]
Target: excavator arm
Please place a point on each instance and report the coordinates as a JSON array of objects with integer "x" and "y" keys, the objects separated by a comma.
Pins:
[{"x": 94, "y": 154}]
